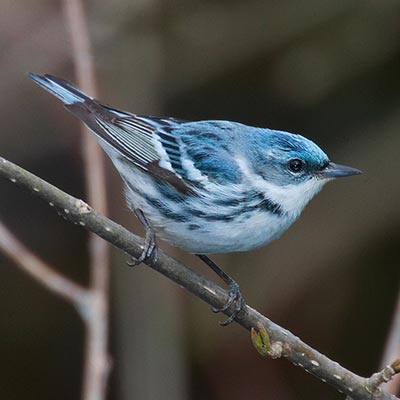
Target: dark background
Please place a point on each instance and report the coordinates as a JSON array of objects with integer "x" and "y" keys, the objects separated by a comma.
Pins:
[{"x": 326, "y": 69}]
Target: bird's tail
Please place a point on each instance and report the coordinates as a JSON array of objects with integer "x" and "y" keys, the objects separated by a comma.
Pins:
[{"x": 64, "y": 90}]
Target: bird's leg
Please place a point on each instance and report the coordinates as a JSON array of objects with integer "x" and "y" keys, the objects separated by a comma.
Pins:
[
  {"x": 235, "y": 295},
  {"x": 149, "y": 246}
]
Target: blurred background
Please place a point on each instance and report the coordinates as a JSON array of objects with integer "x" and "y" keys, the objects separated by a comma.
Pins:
[{"x": 326, "y": 69}]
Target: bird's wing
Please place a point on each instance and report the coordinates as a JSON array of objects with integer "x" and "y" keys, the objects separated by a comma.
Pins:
[
  {"x": 198, "y": 152},
  {"x": 134, "y": 138},
  {"x": 182, "y": 154},
  {"x": 209, "y": 151},
  {"x": 149, "y": 143}
]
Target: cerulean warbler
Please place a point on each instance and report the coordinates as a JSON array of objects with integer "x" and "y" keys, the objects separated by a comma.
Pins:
[{"x": 205, "y": 186}]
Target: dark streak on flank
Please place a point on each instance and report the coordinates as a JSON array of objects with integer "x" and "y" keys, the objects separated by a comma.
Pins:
[
  {"x": 193, "y": 227},
  {"x": 268, "y": 205},
  {"x": 251, "y": 201},
  {"x": 164, "y": 210}
]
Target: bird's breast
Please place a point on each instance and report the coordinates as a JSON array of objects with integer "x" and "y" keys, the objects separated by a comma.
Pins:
[
  {"x": 221, "y": 219},
  {"x": 247, "y": 231}
]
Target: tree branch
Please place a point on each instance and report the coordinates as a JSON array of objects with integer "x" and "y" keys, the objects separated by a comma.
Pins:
[
  {"x": 293, "y": 349},
  {"x": 39, "y": 270},
  {"x": 392, "y": 347},
  {"x": 96, "y": 350}
]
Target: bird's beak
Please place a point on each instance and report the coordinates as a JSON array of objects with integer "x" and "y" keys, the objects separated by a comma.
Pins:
[{"x": 333, "y": 170}]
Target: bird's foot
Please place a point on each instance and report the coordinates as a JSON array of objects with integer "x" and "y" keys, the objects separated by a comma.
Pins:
[
  {"x": 149, "y": 255},
  {"x": 236, "y": 299},
  {"x": 235, "y": 296},
  {"x": 150, "y": 252}
]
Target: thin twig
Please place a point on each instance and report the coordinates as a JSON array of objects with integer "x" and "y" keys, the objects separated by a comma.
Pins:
[
  {"x": 387, "y": 374},
  {"x": 296, "y": 351},
  {"x": 96, "y": 359},
  {"x": 392, "y": 347},
  {"x": 39, "y": 270}
]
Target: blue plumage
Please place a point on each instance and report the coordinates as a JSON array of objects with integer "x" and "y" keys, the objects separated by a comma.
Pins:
[{"x": 206, "y": 186}]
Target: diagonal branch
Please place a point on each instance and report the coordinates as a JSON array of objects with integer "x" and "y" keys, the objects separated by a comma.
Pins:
[
  {"x": 40, "y": 271},
  {"x": 296, "y": 351}
]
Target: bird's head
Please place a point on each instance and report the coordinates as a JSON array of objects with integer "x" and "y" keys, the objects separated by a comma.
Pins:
[{"x": 293, "y": 168}]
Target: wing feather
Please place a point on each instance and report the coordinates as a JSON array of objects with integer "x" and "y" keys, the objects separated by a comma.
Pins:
[
  {"x": 150, "y": 143},
  {"x": 141, "y": 140}
]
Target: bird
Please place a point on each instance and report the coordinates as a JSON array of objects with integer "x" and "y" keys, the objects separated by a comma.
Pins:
[{"x": 209, "y": 186}]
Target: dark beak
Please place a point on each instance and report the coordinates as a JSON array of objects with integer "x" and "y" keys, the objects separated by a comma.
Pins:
[{"x": 333, "y": 170}]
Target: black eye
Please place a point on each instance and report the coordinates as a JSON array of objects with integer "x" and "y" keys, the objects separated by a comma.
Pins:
[{"x": 296, "y": 165}]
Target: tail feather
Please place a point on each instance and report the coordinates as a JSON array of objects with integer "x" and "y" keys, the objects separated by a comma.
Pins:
[{"x": 64, "y": 90}]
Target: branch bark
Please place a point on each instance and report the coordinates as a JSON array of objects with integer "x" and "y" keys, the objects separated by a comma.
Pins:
[{"x": 293, "y": 349}]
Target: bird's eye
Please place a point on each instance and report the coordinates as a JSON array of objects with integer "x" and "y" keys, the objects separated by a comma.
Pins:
[{"x": 296, "y": 165}]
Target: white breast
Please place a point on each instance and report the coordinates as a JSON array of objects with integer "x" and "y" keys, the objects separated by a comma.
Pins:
[{"x": 247, "y": 232}]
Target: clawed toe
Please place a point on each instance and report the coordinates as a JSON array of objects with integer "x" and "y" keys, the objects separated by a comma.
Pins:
[
  {"x": 149, "y": 254},
  {"x": 235, "y": 295},
  {"x": 236, "y": 298}
]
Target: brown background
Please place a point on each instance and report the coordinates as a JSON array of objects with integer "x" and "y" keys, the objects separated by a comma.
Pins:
[{"x": 326, "y": 69}]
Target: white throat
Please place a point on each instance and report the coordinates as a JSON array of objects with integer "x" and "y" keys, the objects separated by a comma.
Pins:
[{"x": 292, "y": 198}]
